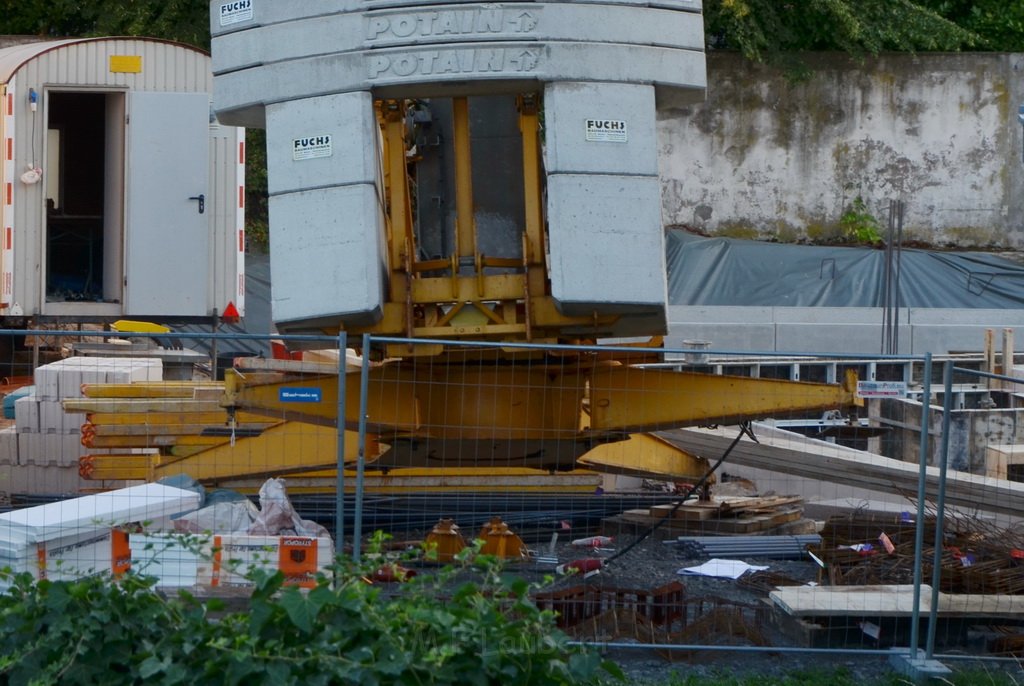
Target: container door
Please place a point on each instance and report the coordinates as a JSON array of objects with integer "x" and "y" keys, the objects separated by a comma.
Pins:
[{"x": 167, "y": 204}]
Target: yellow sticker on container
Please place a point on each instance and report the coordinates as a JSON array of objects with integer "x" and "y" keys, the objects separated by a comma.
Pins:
[{"x": 126, "y": 64}]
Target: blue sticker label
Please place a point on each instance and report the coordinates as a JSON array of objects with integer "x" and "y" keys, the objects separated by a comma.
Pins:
[{"x": 300, "y": 395}]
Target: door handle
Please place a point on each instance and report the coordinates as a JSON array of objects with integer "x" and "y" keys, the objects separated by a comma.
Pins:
[{"x": 202, "y": 202}]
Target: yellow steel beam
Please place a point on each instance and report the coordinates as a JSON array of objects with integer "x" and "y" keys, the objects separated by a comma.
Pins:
[
  {"x": 139, "y": 405},
  {"x": 442, "y": 401},
  {"x": 465, "y": 230},
  {"x": 154, "y": 440},
  {"x": 102, "y": 430},
  {"x": 283, "y": 449},
  {"x": 638, "y": 399},
  {"x": 162, "y": 419},
  {"x": 110, "y": 467},
  {"x": 436, "y": 481},
  {"x": 529, "y": 402},
  {"x": 153, "y": 389},
  {"x": 645, "y": 456}
]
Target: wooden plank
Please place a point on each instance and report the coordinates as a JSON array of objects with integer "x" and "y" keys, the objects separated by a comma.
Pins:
[{"x": 695, "y": 512}]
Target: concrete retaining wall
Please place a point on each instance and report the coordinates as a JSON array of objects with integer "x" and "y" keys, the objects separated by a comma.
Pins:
[{"x": 768, "y": 157}]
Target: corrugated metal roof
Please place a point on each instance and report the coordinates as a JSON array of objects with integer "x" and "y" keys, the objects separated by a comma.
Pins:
[{"x": 14, "y": 57}]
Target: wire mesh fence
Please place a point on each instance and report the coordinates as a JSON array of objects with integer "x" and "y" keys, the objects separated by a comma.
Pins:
[{"x": 663, "y": 499}]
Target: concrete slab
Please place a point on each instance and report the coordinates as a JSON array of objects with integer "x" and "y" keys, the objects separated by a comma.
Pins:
[
  {"x": 428, "y": 70},
  {"x": 417, "y": 25},
  {"x": 327, "y": 256},
  {"x": 918, "y": 669},
  {"x": 836, "y": 338},
  {"x": 604, "y": 128},
  {"x": 593, "y": 218},
  {"x": 319, "y": 142}
]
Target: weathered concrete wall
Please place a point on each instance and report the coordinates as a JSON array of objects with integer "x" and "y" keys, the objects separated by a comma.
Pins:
[{"x": 765, "y": 157}]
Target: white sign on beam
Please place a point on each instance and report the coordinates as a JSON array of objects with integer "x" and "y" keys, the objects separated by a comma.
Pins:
[{"x": 881, "y": 389}]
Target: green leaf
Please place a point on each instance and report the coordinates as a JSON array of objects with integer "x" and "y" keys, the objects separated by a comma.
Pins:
[{"x": 301, "y": 608}]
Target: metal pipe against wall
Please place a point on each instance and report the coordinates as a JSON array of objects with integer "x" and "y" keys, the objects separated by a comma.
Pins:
[
  {"x": 926, "y": 392},
  {"x": 940, "y": 506},
  {"x": 339, "y": 514}
]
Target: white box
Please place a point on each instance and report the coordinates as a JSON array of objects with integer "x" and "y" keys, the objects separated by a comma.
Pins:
[{"x": 222, "y": 561}]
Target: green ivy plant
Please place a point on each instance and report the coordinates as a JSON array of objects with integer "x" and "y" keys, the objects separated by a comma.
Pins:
[{"x": 467, "y": 623}]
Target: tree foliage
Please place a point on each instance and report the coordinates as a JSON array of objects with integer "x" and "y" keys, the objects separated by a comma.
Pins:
[
  {"x": 765, "y": 29},
  {"x": 186, "y": 21}
]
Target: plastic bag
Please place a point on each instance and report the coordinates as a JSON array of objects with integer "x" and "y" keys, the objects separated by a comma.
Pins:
[{"x": 277, "y": 516}]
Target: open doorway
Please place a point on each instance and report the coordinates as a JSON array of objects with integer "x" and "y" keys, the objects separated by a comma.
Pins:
[{"x": 84, "y": 173}]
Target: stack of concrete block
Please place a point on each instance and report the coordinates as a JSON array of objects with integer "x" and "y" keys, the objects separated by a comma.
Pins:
[{"x": 40, "y": 453}]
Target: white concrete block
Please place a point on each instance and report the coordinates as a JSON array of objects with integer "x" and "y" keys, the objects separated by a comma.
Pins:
[
  {"x": 62, "y": 450},
  {"x": 941, "y": 339},
  {"x": 53, "y": 418},
  {"x": 47, "y": 381},
  {"x": 993, "y": 319},
  {"x": 38, "y": 480},
  {"x": 836, "y": 338},
  {"x": 424, "y": 70},
  {"x": 327, "y": 256},
  {"x": 228, "y": 16},
  {"x": 722, "y": 336},
  {"x": 318, "y": 142},
  {"x": 603, "y": 128},
  {"x": 607, "y": 249},
  {"x": 8, "y": 446},
  {"x": 421, "y": 24},
  {"x": 686, "y": 315},
  {"x": 872, "y": 316},
  {"x": 26, "y": 414}
]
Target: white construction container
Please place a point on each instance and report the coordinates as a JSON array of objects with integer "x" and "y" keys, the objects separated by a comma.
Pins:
[{"x": 122, "y": 196}]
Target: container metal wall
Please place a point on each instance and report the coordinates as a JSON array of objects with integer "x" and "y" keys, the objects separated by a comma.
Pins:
[{"x": 85, "y": 65}]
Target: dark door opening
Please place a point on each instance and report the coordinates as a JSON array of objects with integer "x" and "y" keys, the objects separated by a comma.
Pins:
[{"x": 84, "y": 145}]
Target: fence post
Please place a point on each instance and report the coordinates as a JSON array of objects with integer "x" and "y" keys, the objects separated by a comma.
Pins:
[
  {"x": 940, "y": 505},
  {"x": 339, "y": 512},
  {"x": 364, "y": 391},
  {"x": 926, "y": 392}
]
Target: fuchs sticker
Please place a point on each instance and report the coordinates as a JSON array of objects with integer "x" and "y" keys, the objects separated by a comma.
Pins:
[{"x": 235, "y": 12}]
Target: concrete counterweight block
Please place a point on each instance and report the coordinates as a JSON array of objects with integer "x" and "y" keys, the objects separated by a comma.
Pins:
[
  {"x": 600, "y": 128},
  {"x": 327, "y": 257},
  {"x": 606, "y": 242},
  {"x": 324, "y": 141}
]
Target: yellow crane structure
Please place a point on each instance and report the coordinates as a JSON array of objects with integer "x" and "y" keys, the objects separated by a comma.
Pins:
[{"x": 441, "y": 178}]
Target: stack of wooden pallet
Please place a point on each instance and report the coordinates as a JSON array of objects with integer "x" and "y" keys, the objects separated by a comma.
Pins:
[{"x": 736, "y": 515}]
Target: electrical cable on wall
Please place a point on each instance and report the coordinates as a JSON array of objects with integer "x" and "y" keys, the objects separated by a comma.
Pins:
[{"x": 34, "y": 173}]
